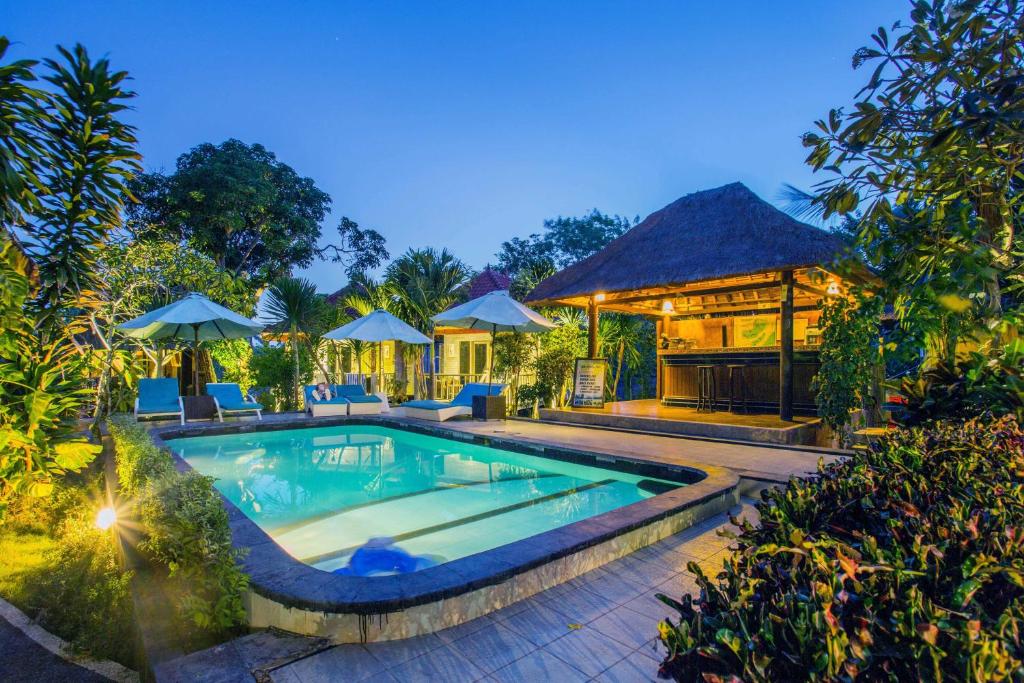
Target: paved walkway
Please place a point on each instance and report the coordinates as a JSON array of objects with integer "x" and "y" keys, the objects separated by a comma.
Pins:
[
  {"x": 601, "y": 626},
  {"x": 29, "y": 653},
  {"x": 771, "y": 463}
]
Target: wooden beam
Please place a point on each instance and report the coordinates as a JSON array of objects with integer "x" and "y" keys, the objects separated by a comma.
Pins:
[
  {"x": 752, "y": 286},
  {"x": 786, "y": 349},
  {"x": 592, "y": 315}
]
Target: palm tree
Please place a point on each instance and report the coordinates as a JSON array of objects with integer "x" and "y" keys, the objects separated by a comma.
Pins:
[
  {"x": 294, "y": 304},
  {"x": 426, "y": 282},
  {"x": 621, "y": 338}
]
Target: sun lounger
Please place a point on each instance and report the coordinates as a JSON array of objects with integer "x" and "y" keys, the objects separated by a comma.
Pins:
[
  {"x": 228, "y": 398},
  {"x": 462, "y": 404},
  {"x": 359, "y": 402},
  {"x": 159, "y": 398},
  {"x": 336, "y": 405}
]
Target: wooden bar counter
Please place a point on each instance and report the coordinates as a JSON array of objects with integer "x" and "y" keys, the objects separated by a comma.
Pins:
[{"x": 677, "y": 375}]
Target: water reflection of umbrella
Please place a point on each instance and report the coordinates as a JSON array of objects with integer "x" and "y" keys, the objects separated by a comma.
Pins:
[
  {"x": 494, "y": 312},
  {"x": 194, "y": 317},
  {"x": 379, "y": 326}
]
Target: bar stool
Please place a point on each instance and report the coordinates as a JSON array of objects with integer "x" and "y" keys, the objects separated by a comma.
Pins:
[
  {"x": 737, "y": 386},
  {"x": 707, "y": 392}
]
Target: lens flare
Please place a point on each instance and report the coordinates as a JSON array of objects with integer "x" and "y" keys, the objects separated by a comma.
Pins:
[{"x": 106, "y": 518}]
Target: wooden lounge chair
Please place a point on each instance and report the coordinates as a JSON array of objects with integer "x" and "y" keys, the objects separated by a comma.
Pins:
[
  {"x": 159, "y": 398},
  {"x": 359, "y": 402},
  {"x": 337, "y": 405},
  {"x": 462, "y": 404},
  {"x": 229, "y": 400}
]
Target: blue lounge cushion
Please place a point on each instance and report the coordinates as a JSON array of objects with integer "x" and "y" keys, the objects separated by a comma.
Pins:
[
  {"x": 363, "y": 399},
  {"x": 160, "y": 407},
  {"x": 468, "y": 391},
  {"x": 427, "y": 405},
  {"x": 348, "y": 390},
  {"x": 308, "y": 393},
  {"x": 158, "y": 395},
  {"x": 229, "y": 396}
]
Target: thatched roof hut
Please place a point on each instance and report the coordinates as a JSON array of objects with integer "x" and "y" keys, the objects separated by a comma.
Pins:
[{"x": 718, "y": 234}]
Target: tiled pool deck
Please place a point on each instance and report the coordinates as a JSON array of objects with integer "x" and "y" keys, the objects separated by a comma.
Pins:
[{"x": 601, "y": 626}]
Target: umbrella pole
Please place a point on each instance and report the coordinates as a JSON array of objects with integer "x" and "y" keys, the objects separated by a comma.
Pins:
[
  {"x": 490, "y": 371},
  {"x": 195, "y": 360},
  {"x": 380, "y": 366}
]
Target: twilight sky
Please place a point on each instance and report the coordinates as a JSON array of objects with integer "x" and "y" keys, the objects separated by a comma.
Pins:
[{"x": 460, "y": 125}]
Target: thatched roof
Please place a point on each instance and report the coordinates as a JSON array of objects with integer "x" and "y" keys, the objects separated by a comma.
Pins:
[{"x": 725, "y": 232}]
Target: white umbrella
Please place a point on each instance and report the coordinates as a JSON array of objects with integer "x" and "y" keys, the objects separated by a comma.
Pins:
[
  {"x": 495, "y": 312},
  {"x": 379, "y": 326},
  {"x": 194, "y": 317}
]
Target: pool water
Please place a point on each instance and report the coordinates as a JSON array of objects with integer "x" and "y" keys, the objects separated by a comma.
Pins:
[{"x": 322, "y": 493}]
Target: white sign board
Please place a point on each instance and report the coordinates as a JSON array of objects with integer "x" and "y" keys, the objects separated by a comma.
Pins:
[{"x": 588, "y": 383}]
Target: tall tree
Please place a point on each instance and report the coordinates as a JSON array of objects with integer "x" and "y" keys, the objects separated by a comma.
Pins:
[
  {"x": 86, "y": 156},
  {"x": 295, "y": 305},
  {"x": 64, "y": 155},
  {"x": 426, "y": 282},
  {"x": 237, "y": 203},
  {"x": 932, "y": 152}
]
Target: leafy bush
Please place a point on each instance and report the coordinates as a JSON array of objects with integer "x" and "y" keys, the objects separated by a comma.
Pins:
[
  {"x": 185, "y": 528},
  {"x": 138, "y": 458},
  {"x": 988, "y": 380},
  {"x": 904, "y": 564},
  {"x": 234, "y": 356},
  {"x": 849, "y": 357},
  {"x": 83, "y": 594},
  {"x": 272, "y": 368}
]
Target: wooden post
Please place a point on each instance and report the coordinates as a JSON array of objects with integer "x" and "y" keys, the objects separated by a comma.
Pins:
[
  {"x": 592, "y": 328},
  {"x": 786, "y": 348}
]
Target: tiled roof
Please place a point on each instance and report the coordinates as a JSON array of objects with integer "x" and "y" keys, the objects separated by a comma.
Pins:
[{"x": 487, "y": 281}]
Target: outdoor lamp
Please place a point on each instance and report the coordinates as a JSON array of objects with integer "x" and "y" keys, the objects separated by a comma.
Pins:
[
  {"x": 106, "y": 518},
  {"x": 833, "y": 288},
  {"x": 599, "y": 297},
  {"x": 666, "y": 306}
]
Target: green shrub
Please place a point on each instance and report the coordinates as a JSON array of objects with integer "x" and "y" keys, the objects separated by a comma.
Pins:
[
  {"x": 904, "y": 564},
  {"x": 988, "y": 380},
  {"x": 138, "y": 458},
  {"x": 83, "y": 595},
  {"x": 187, "y": 530}
]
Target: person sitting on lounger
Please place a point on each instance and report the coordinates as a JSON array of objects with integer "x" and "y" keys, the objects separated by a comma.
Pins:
[{"x": 322, "y": 392}]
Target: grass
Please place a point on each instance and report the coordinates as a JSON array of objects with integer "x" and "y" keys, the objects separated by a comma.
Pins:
[{"x": 24, "y": 559}]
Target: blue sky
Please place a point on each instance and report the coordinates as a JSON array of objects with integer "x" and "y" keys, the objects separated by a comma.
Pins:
[{"x": 460, "y": 125}]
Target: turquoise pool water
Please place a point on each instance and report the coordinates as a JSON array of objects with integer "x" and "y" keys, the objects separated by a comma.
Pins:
[{"x": 322, "y": 493}]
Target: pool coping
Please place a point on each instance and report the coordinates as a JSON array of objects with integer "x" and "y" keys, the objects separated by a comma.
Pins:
[{"x": 277, "y": 576}]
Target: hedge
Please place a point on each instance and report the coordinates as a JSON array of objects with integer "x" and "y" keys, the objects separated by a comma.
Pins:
[
  {"x": 184, "y": 526},
  {"x": 906, "y": 563}
]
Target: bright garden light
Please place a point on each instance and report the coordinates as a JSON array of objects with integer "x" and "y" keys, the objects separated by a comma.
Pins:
[{"x": 106, "y": 518}]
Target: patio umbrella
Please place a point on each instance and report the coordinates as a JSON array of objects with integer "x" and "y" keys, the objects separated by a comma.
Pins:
[
  {"x": 495, "y": 312},
  {"x": 194, "y": 317},
  {"x": 379, "y": 326}
]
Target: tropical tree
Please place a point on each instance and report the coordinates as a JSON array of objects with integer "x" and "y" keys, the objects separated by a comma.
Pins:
[
  {"x": 64, "y": 155},
  {"x": 620, "y": 340},
  {"x": 238, "y": 204},
  {"x": 88, "y": 154},
  {"x": 563, "y": 242},
  {"x": 426, "y": 282},
  {"x": 932, "y": 152},
  {"x": 294, "y": 304}
]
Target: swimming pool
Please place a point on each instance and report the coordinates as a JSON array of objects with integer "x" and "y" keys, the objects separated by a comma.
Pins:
[{"x": 322, "y": 493}]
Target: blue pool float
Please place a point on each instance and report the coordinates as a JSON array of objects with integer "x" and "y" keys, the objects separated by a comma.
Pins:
[{"x": 380, "y": 556}]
